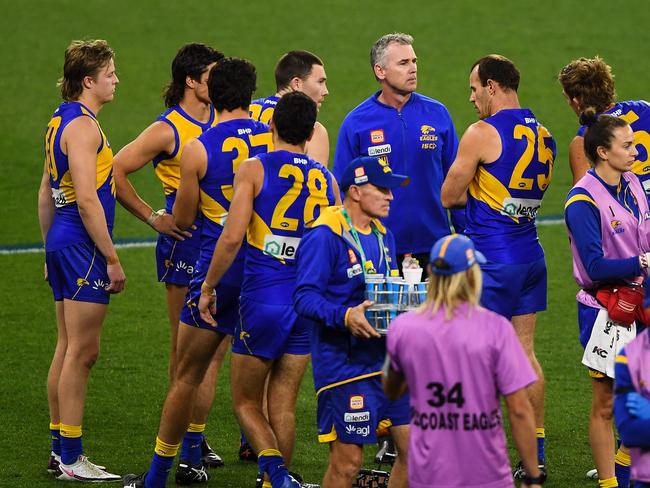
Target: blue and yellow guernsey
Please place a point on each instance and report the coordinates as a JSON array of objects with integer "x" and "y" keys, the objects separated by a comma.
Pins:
[
  {"x": 295, "y": 191},
  {"x": 262, "y": 109},
  {"x": 227, "y": 145},
  {"x": 67, "y": 227},
  {"x": 330, "y": 280},
  {"x": 506, "y": 194},
  {"x": 637, "y": 114},
  {"x": 167, "y": 166}
]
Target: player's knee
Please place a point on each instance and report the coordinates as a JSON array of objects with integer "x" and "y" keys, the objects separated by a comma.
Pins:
[
  {"x": 603, "y": 411},
  {"x": 347, "y": 465}
]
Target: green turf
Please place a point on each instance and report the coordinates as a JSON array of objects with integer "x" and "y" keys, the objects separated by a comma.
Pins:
[{"x": 129, "y": 382}]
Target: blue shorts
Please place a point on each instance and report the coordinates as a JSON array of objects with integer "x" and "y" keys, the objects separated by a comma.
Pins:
[
  {"x": 270, "y": 331},
  {"x": 352, "y": 411},
  {"x": 78, "y": 272},
  {"x": 586, "y": 320},
  {"x": 514, "y": 289},
  {"x": 175, "y": 260},
  {"x": 227, "y": 315}
]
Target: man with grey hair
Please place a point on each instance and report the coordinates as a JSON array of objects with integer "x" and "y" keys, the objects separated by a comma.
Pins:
[{"x": 412, "y": 133}]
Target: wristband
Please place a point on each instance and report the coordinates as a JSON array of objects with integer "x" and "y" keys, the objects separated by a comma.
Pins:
[{"x": 155, "y": 215}]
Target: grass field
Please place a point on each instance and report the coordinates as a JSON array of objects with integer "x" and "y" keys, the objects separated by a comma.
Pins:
[{"x": 129, "y": 382}]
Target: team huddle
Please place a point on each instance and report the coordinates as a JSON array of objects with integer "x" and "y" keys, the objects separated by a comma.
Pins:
[{"x": 264, "y": 250}]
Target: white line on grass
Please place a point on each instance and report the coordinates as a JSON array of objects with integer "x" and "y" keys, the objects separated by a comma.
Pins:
[{"x": 32, "y": 249}]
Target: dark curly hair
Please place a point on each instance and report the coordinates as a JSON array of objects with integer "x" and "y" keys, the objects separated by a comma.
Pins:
[
  {"x": 191, "y": 60},
  {"x": 231, "y": 84},
  {"x": 294, "y": 117}
]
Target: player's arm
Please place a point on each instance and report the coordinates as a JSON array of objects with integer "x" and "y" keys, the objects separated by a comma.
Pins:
[
  {"x": 578, "y": 159},
  {"x": 45, "y": 204},
  {"x": 158, "y": 137},
  {"x": 45, "y": 207},
  {"x": 471, "y": 151},
  {"x": 393, "y": 381},
  {"x": 318, "y": 147},
  {"x": 248, "y": 182},
  {"x": 194, "y": 163},
  {"x": 522, "y": 423},
  {"x": 81, "y": 138},
  {"x": 337, "y": 192}
]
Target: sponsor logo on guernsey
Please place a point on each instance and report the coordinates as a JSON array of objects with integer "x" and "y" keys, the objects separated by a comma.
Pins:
[
  {"x": 355, "y": 417},
  {"x": 360, "y": 431},
  {"x": 299, "y": 161},
  {"x": 59, "y": 198},
  {"x": 521, "y": 207},
  {"x": 530, "y": 120},
  {"x": 379, "y": 150},
  {"x": 377, "y": 136},
  {"x": 244, "y": 130},
  {"x": 356, "y": 402},
  {"x": 281, "y": 247},
  {"x": 617, "y": 226},
  {"x": 428, "y": 137},
  {"x": 354, "y": 270}
]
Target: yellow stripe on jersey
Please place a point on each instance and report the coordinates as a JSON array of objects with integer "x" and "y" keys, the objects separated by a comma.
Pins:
[
  {"x": 488, "y": 189},
  {"x": 212, "y": 209},
  {"x": 168, "y": 170},
  {"x": 257, "y": 231},
  {"x": 621, "y": 359},
  {"x": 580, "y": 198},
  {"x": 105, "y": 163}
]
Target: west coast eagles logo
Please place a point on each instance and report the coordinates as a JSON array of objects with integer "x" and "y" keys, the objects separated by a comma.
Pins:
[
  {"x": 428, "y": 137},
  {"x": 617, "y": 226},
  {"x": 383, "y": 161}
]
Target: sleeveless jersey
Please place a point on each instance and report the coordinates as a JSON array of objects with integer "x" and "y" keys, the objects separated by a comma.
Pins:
[
  {"x": 227, "y": 145},
  {"x": 67, "y": 227},
  {"x": 295, "y": 190},
  {"x": 262, "y": 109},
  {"x": 637, "y": 114},
  {"x": 506, "y": 194},
  {"x": 167, "y": 166}
]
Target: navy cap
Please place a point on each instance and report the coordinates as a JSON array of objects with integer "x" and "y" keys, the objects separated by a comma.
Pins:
[
  {"x": 453, "y": 254},
  {"x": 370, "y": 169}
]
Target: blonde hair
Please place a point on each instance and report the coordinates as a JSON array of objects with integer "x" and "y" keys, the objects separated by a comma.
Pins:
[
  {"x": 451, "y": 291},
  {"x": 82, "y": 58}
]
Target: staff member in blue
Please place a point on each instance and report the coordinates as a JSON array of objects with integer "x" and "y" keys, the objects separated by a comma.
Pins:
[
  {"x": 412, "y": 133},
  {"x": 345, "y": 244}
]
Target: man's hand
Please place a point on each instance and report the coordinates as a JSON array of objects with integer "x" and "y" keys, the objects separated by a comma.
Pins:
[
  {"x": 638, "y": 406},
  {"x": 165, "y": 224},
  {"x": 357, "y": 323},
  {"x": 116, "y": 277},
  {"x": 208, "y": 304}
]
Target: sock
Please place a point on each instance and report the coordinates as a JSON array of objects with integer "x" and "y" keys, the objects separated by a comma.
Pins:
[
  {"x": 242, "y": 439},
  {"x": 541, "y": 436},
  {"x": 55, "y": 433},
  {"x": 71, "y": 446},
  {"x": 271, "y": 462},
  {"x": 267, "y": 484},
  {"x": 622, "y": 464},
  {"x": 191, "y": 448},
  {"x": 161, "y": 464},
  {"x": 608, "y": 483}
]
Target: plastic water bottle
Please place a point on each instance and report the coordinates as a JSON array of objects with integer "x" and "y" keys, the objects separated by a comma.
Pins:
[{"x": 410, "y": 262}]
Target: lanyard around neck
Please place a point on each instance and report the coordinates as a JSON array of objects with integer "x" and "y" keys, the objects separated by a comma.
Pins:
[{"x": 357, "y": 240}]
